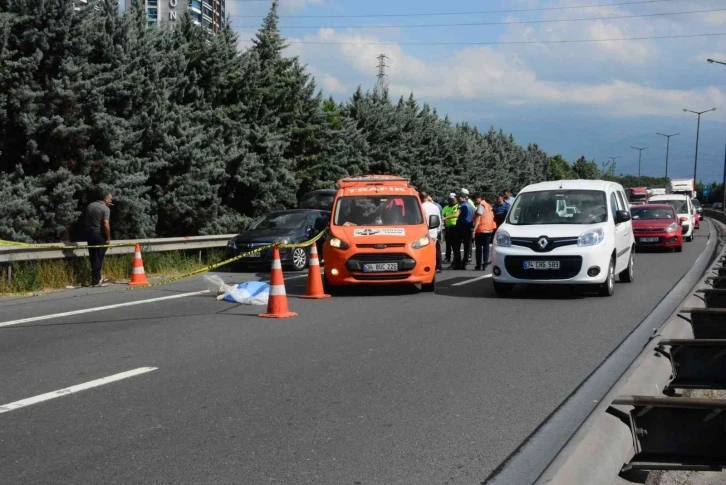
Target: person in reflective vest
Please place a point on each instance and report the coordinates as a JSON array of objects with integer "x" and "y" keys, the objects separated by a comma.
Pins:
[
  {"x": 450, "y": 212},
  {"x": 484, "y": 226}
]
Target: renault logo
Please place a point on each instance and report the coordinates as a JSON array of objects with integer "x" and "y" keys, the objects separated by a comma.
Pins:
[{"x": 542, "y": 243}]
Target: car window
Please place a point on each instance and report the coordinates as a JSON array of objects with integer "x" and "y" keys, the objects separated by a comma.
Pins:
[
  {"x": 621, "y": 201},
  {"x": 647, "y": 213},
  {"x": 277, "y": 220},
  {"x": 613, "y": 204},
  {"x": 559, "y": 207},
  {"x": 681, "y": 206},
  {"x": 378, "y": 210}
]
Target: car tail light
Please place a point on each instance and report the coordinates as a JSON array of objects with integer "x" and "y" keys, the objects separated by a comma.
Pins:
[{"x": 684, "y": 219}]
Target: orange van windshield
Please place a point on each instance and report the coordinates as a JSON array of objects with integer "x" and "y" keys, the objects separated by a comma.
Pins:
[{"x": 374, "y": 210}]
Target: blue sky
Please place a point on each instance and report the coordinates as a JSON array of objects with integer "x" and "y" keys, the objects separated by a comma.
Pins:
[{"x": 591, "y": 98}]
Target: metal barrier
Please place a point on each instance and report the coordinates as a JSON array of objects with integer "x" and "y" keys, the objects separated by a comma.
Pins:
[
  {"x": 627, "y": 415},
  {"x": 21, "y": 253}
]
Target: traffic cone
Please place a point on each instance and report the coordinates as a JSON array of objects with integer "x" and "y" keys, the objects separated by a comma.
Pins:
[
  {"x": 315, "y": 281},
  {"x": 277, "y": 301},
  {"x": 138, "y": 276}
]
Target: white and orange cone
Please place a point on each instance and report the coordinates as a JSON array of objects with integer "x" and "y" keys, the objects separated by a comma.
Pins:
[
  {"x": 315, "y": 281},
  {"x": 138, "y": 276},
  {"x": 277, "y": 301}
]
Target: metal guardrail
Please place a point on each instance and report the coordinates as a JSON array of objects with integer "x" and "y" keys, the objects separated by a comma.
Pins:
[
  {"x": 593, "y": 437},
  {"x": 17, "y": 253}
]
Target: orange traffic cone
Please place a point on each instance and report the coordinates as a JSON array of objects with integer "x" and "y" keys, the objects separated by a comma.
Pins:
[
  {"x": 277, "y": 302},
  {"x": 138, "y": 276},
  {"x": 315, "y": 281}
]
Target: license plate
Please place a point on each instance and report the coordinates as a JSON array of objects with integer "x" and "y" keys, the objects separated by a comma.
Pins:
[
  {"x": 375, "y": 267},
  {"x": 541, "y": 265},
  {"x": 253, "y": 255},
  {"x": 648, "y": 239}
]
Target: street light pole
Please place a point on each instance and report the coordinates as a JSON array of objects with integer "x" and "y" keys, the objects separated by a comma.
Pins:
[
  {"x": 612, "y": 166},
  {"x": 698, "y": 129},
  {"x": 640, "y": 152},
  {"x": 668, "y": 146},
  {"x": 711, "y": 61}
]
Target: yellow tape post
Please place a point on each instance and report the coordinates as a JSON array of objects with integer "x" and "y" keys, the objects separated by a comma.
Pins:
[{"x": 210, "y": 267}]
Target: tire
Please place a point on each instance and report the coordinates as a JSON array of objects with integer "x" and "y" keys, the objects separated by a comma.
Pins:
[
  {"x": 429, "y": 287},
  {"x": 330, "y": 289},
  {"x": 608, "y": 288},
  {"x": 679, "y": 249},
  {"x": 502, "y": 289},
  {"x": 628, "y": 274},
  {"x": 689, "y": 238},
  {"x": 299, "y": 259}
]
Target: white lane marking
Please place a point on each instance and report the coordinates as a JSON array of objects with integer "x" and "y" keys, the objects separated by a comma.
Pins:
[
  {"x": 287, "y": 278},
  {"x": 461, "y": 283},
  {"x": 96, "y": 309},
  {"x": 73, "y": 389}
]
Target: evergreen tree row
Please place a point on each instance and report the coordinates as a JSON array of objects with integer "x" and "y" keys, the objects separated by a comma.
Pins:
[{"x": 194, "y": 137}]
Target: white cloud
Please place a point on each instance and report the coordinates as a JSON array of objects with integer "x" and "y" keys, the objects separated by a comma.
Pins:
[
  {"x": 484, "y": 73},
  {"x": 331, "y": 84},
  {"x": 298, "y": 4}
]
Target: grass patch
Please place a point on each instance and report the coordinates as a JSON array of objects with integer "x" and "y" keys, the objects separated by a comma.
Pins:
[{"x": 55, "y": 274}]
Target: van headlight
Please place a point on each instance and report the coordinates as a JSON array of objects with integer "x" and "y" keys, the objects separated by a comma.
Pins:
[
  {"x": 338, "y": 243},
  {"x": 673, "y": 227},
  {"x": 591, "y": 238},
  {"x": 502, "y": 239},
  {"x": 421, "y": 242}
]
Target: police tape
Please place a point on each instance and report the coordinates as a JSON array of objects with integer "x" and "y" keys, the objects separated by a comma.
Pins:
[
  {"x": 210, "y": 267},
  {"x": 4, "y": 243}
]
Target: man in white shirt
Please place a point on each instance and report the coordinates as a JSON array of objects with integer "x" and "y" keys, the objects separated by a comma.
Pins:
[{"x": 431, "y": 209}]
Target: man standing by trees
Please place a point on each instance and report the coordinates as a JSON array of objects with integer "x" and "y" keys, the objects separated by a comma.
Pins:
[
  {"x": 98, "y": 233},
  {"x": 450, "y": 212}
]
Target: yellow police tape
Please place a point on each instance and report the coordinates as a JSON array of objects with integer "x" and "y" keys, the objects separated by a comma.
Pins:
[
  {"x": 61, "y": 246},
  {"x": 210, "y": 267}
]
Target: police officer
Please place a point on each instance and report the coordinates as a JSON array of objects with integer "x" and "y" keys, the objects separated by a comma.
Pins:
[
  {"x": 463, "y": 232},
  {"x": 450, "y": 212}
]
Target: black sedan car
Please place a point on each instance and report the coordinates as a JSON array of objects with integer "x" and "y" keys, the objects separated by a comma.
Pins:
[
  {"x": 286, "y": 227},
  {"x": 321, "y": 199}
]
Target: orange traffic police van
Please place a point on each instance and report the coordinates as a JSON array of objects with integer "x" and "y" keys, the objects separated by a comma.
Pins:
[{"x": 379, "y": 235}]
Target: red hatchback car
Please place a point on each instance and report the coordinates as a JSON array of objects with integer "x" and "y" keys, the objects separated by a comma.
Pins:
[{"x": 657, "y": 225}]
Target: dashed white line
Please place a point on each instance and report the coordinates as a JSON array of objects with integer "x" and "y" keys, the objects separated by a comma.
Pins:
[
  {"x": 73, "y": 389},
  {"x": 462, "y": 283},
  {"x": 100, "y": 308}
]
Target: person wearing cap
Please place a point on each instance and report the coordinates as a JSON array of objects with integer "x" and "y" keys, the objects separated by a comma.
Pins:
[
  {"x": 463, "y": 232},
  {"x": 473, "y": 206},
  {"x": 98, "y": 233},
  {"x": 450, "y": 212}
]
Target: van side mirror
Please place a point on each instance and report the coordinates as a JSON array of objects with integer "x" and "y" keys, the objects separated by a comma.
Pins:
[
  {"x": 622, "y": 216},
  {"x": 434, "y": 221}
]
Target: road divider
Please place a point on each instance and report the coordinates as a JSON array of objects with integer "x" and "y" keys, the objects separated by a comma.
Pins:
[{"x": 74, "y": 389}]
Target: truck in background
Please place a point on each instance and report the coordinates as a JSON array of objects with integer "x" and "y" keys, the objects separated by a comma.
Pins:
[
  {"x": 637, "y": 195},
  {"x": 682, "y": 186},
  {"x": 653, "y": 192}
]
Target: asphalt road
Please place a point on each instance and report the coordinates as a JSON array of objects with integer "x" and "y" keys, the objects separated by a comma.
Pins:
[{"x": 378, "y": 387}]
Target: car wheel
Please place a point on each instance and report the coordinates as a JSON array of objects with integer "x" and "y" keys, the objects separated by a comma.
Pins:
[
  {"x": 679, "y": 249},
  {"x": 328, "y": 288},
  {"x": 608, "y": 288},
  {"x": 503, "y": 289},
  {"x": 628, "y": 274},
  {"x": 689, "y": 238},
  {"x": 429, "y": 287},
  {"x": 299, "y": 259}
]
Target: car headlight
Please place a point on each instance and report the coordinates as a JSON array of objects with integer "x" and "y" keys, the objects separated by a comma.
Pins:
[
  {"x": 591, "y": 238},
  {"x": 421, "y": 242},
  {"x": 502, "y": 239},
  {"x": 230, "y": 243},
  {"x": 673, "y": 227},
  {"x": 338, "y": 243}
]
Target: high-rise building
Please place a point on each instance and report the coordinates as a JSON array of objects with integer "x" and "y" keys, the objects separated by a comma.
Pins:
[{"x": 207, "y": 13}]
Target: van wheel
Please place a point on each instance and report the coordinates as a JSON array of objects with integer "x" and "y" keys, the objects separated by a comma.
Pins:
[
  {"x": 502, "y": 289},
  {"x": 689, "y": 238},
  {"x": 608, "y": 288},
  {"x": 627, "y": 275},
  {"x": 429, "y": 287},
  {"x": 331, "y": 290}
]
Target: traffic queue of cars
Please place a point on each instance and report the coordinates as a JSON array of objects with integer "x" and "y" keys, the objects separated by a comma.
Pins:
[{"x": 568, "y": 232}]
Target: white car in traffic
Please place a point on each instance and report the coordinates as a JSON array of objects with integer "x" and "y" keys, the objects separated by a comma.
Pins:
[
  {"x": 572, "y": 232},
  {"x": 684, "y": 208}
]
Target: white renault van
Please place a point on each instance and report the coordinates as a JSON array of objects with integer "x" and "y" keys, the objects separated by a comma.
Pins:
[
  {"x": 685, "y": 210},
  {"x": 572, "y": 232}
]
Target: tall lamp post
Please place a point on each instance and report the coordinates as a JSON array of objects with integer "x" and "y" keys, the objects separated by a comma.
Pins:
[
  {"x": 711, "y": 61},
  {"x": 612, "y": 165},
  {"x": 668, "y": 146},
  {"x": 640, "y": 152},
  {"x": 698, "y": 129}
]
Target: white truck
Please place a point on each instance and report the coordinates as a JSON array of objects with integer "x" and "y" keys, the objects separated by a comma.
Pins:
[{"x": 682, "y": 186}]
